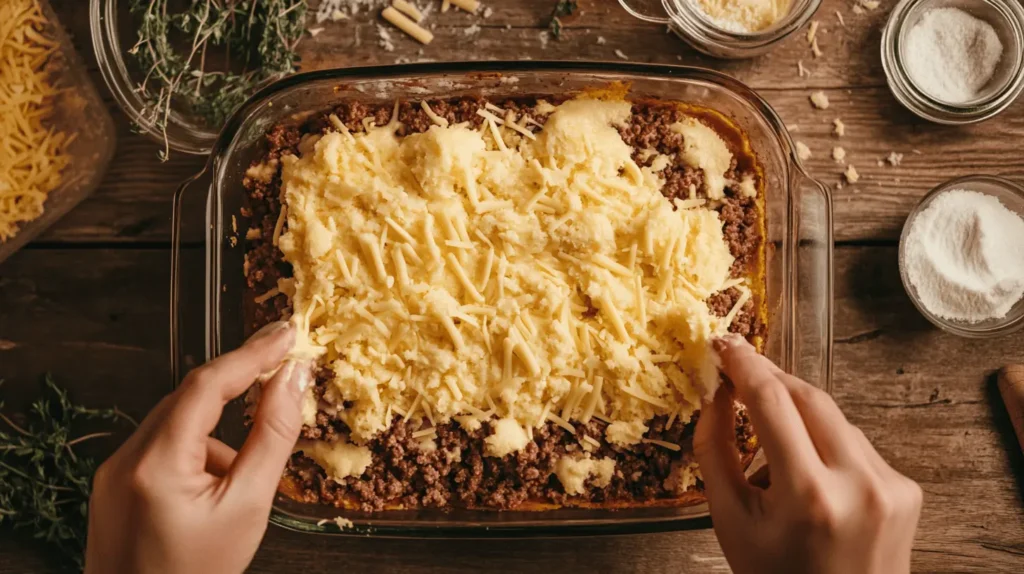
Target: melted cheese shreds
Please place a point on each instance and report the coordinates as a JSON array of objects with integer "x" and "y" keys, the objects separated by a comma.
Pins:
[
  {"x": 573, "y": 473},
  {"x": 458, "y": 283},
  {"x": 706, "y": 150},
  {"x": 508, "y": 437},
  {"x": 32, "y": 154},
  {"x": 340, "y": 459}
]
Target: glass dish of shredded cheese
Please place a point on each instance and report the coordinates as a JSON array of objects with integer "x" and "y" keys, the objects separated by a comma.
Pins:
[
  {"x": 56, "y": 137},
  {"x": 509, "y": 292}
]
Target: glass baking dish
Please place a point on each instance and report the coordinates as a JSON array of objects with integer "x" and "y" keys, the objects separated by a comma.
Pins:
[{"x": 798, "y": 267}]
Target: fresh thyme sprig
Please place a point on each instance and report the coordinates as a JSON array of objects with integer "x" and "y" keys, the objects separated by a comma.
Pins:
[
  {"x": 562, "y": 8},
  {"x": 252, "y": 41},
  {"x": 44, "y": 485}
]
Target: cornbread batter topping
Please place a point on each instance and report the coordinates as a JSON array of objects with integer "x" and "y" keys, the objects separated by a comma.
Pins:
[{"x": 496, "y": 274}]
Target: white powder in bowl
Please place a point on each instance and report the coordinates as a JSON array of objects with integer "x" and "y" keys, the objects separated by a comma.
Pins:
[
  {"x": 964, "y": 256},
  {"x": 951, "y": 55}
]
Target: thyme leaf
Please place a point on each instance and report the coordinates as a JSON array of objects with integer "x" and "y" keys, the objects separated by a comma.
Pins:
[
  {"x": 206, "y": 58},
  {"x": 44, "y": 485}
]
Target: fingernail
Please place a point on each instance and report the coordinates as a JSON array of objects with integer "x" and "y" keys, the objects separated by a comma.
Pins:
[
  {"x": 267, "y": 330},
  {"x": 298, "y": 375},
  {"x": 727, "y": 341}
]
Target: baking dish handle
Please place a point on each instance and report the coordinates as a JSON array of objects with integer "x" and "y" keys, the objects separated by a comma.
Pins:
[
  {"x": 177, "y": 355},
  {"x": 811, "y": 295}
]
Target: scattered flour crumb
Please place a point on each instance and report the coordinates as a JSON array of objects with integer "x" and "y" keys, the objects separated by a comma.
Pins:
[
  {"x": 894, "y": 159},
  {"x": 488, "y": 12},
  {"x": 802, "y": 151},
  {"x": 544, "y": 37},
  {"x": 851, "y": 174},
  {"x": 915, "y": 151},
  {"x": 801, "y": 70},
  {"x": 620, "y": 54},
  {"x": 838, "y": 127},
  {"x": 838, "y": 154},
  {"x": 508, "y": 26},
  {"x": 342, "y": 523},
  {"x": 819, "y": 100},
  {"x": 880, "y": 163},
  {"x": 870, "y": 4},
  {"x": 469, "y": 31},
  {"x": 839, "y": 15},
  {"x": 601, "y": 41},
  {"x": 315, "y": 31},
  {"x": 385, "y": 39},
  {"x": 338, "y": 15}
]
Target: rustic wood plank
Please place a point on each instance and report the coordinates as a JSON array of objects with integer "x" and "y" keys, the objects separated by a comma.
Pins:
[{"x": 925, "y": 399}]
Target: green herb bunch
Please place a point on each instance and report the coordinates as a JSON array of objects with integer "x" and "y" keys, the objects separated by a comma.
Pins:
[
  {"x": 253, "y": 42},
  {"x": 562, "y": 8},
  {"x": 44, "y": 485}
]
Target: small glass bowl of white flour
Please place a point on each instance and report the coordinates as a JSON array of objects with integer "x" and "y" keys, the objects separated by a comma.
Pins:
[
  {"x": 961, "y": 256},
  {"x": 955, "y": 61}
]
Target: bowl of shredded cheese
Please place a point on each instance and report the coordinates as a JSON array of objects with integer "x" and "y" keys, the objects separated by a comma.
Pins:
[
  {"x": 56, "y": 137},
  {"x": 731, "y": 29}
]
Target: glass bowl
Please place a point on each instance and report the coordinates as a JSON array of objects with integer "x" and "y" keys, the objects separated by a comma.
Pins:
[
  {"x": 698, "y": 30},
  {"x": 79, "y": 105},
  {"x": 798, "y": 265},
  {"x": 1012, "y": 196},
  {"x": 1006, "y": 16}
]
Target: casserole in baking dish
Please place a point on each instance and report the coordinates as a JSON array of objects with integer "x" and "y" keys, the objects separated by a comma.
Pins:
[{"x": 763, "y": 287}]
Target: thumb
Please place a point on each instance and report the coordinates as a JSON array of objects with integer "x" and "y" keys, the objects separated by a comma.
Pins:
[
  {"x": 276, "y": 426},
  {"x": 714, "y": 446}
]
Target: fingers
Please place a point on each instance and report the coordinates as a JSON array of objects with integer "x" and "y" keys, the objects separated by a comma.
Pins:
[
  {"x": 826, "y": 424},
  {"x": 219, "y": 457},
  {"x": 208, "y": 388},
  {"x": 714, "y": 445},
  {"x": 276, "y": 426},
  {"x": 775, "y": 417}
]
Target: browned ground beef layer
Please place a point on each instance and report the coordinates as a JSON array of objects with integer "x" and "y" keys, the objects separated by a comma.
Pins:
[{"x": 456, "y": 473}]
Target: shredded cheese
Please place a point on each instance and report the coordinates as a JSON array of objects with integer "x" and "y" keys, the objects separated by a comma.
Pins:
[
  {"x": 32, "y": 154},
  {"x": 463, "y": 314}
]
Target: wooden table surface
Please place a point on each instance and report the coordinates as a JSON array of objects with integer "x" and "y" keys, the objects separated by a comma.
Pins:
[{"x": 87, "y": 301}]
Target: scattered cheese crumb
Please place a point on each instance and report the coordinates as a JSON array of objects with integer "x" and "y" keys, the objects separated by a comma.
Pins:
[
  {"x": 338, "y": 15},
  {"x": 544, "y": 37},
  {"x": 815, "y": 49},
  {"x": 314, "y": 32},
  {"x": 488, "y": 12},
  {"x": 838, "y": 154},
  {"x": 851, "y": 174},
  {"x": 802, "y": 151},
  {"x": 857, "y": 9},
  {"x": 811, "y": 31},
  {"x": 801, "y": 69},
  {"x": 469, "y": 31},
  {"x": 838, "y": 127},
  {"x": 601, "y": 41},
  {"x": 343, "y": 523},
  {"x": 870, "y": 4},
  {"x": 819, "y": 100},
  {"x": 895, "y": 159},
  {"x": 620, "y": 54},
  {"x": 839, "y": 15}
]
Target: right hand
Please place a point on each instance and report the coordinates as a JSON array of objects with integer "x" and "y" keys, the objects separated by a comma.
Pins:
[{"x": 833, "y": 505}]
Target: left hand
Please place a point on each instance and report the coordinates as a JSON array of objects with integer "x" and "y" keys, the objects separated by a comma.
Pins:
[{"x": 175, "y": 499}]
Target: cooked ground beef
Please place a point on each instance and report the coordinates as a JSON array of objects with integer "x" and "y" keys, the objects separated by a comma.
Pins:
[{"x": 453, "y": 471}]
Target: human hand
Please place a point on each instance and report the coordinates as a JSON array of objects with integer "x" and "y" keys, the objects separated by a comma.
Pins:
[
  {"x": 172, "y": 498},
  {"x": 833, "y": 506}
]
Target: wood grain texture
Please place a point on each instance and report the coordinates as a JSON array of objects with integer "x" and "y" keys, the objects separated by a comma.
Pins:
[
  {"x": 925, "y": 398},
  {"x": 133, "y": 204}
]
